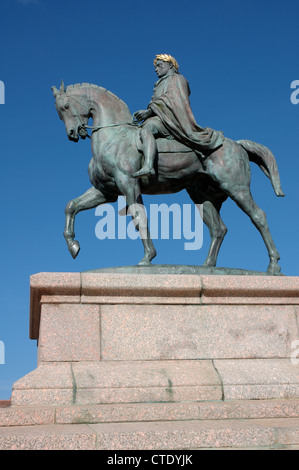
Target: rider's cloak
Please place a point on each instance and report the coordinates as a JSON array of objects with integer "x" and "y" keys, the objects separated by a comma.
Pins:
[{"x": 170, "y": 102}]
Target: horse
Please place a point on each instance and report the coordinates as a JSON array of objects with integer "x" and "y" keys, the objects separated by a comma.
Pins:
[{"x": 117, "y": 154}]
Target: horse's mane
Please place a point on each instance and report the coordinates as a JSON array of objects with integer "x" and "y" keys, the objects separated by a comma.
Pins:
[{"x": 91, "y": 85}]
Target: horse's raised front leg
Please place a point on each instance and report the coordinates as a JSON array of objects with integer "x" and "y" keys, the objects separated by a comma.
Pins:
[{"x": 89, "y": 200}]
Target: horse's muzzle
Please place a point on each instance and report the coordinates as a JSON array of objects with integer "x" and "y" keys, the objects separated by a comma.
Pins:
[{"x": 72, "y": 135}]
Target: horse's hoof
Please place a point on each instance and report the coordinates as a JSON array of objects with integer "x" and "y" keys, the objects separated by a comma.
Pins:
[
  {"x": 74, "y": 249},
  {"x": 209, "y": 264},
  {"x": 274, "y": 269},
  {"x": 144, "y": 262}
]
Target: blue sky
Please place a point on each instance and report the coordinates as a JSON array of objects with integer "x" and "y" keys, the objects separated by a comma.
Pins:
[{"x": 240, "y": 59}]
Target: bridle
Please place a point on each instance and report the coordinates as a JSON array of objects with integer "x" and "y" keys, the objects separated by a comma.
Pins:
[{"x": 82, "y": 129}]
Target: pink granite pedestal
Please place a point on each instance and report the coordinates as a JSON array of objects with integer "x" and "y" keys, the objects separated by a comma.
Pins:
[{"x": 120, "y": 351}]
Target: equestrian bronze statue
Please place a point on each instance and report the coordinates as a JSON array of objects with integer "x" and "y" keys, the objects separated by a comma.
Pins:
[{"x": 162, "y": 150}]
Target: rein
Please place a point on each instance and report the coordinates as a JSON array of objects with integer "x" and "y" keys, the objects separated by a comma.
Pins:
[
  {"x": 83, "y": 128},
  {"x": 94, "y": 129}
]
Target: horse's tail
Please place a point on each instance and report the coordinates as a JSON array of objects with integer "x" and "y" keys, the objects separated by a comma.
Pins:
[{"x": 265, "y": 159}]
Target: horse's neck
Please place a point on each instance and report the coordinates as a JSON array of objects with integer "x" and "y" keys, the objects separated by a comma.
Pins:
[{"x": 106, "y": 108}]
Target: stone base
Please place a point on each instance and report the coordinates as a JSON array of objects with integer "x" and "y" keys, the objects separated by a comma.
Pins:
[{"x": 156, "y": 361}]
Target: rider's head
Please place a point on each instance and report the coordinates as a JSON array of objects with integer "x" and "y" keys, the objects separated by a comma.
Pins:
[{"x": 163, "y": 63}]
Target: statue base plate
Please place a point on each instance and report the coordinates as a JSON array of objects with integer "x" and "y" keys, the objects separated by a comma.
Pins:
[{"x": 179, "y": 269}]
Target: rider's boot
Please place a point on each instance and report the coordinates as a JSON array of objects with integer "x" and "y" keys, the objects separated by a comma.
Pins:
[
  {"x": 146, "y": 170},
  {"x": 149, "y": 152}
]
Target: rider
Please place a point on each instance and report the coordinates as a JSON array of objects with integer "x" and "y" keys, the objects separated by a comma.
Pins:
[{"x": 169, "y": 114}]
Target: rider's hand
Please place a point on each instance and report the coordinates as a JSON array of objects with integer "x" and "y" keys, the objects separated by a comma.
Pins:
[{"x": 142, "y": 115}]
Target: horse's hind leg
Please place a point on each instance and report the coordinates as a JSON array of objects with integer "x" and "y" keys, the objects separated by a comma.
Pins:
[
  {"x": 212, "y": 219},
  {"x": 89, "y": 200},
  {"x": 246, "y": 202},
  {"x": 217, "y": 229}
]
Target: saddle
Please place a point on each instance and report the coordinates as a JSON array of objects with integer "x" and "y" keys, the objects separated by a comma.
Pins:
[
  {"x": 171, "y": 146},
  {"x": 178, "y": 151},
  {"x": 174, "y": 158}
]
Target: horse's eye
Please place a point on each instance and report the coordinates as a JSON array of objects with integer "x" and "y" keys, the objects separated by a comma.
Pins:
[{"x": 66, "y": 106}]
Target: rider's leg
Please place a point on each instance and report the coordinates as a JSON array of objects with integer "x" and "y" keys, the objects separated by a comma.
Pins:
[
  {"x": 149, "y": 148},
  {"x": 150, "y": 130}
]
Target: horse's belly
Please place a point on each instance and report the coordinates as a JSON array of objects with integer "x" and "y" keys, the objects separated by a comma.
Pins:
[
  {"x": 178, "y": 165},
  {"x": 175, "y": 171}
]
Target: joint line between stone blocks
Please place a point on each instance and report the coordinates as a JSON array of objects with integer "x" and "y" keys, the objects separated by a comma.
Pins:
[
  {"x": 74, "y": 385},
  {"x": 80, "y": 288},
  {"x": 296, "y": 320},
  {"x": 220, "y": 378},
  {"x": 100, "y": 333}
]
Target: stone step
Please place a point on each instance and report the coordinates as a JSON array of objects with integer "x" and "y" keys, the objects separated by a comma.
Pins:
[
  {"x": 147, "y": 412},
  {"x": 275, "y": 433},
  {"x": 100, "y": 382},
  {"x": 118, "y": 382}
]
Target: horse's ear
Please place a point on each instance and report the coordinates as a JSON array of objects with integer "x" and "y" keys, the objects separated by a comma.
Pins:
[
  {"x": 55, "y": 91},
  {"x": 62, "y": 87}
]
